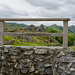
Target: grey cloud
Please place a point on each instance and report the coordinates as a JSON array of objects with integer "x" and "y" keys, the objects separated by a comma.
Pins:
[
  {"x": 51, "y": 4},
  {"x": 40, "y": 8},
  {"x": 10, "y": 13},
  {"x": 52, "y": 8},
  {"x": 70, "y": 2}
]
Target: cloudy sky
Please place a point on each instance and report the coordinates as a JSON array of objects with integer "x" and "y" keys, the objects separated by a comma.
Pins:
[{"x": 38, "y": 9}]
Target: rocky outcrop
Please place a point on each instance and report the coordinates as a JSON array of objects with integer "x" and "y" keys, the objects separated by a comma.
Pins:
[
  {"x": 10, "y": 42},
  {"x": 53, "y": 40},
  {"x": 36, "y": 61},
  {"x": 31, "y": 28},
  {"x": 36, "y": 29},
  {"x": 41, "y": 28}
]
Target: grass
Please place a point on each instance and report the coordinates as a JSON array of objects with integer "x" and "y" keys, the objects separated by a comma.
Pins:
[
  {"x": 73, "y": 47},
  {"x": 20, "y": 42},
  {"x": 53, "y": 43},
  {"x": 8, "y": 38},
  {"x": 29, "y": 44}
]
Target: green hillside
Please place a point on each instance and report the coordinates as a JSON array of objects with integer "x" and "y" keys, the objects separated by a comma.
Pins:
[
  {"x": 14, "y": 25},
  {"x": 72, "y": 29},
  {"x": 54, "y": 27}
]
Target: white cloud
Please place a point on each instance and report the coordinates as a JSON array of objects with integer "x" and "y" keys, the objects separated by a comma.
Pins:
[{"x": 37, "y": 8}]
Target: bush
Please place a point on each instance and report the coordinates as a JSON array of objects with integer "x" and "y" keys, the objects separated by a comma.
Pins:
[
  {"x": 52, "y": 31},
  {"x": 71, "y": 39}
]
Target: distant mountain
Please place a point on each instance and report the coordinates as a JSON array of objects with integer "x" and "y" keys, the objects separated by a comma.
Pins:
[
  {"x": 54, "y": 26},
  {"x": 72, "y": 29},
  {"x": 60, "y": 28},
  {"x": 14, "y": 25}
]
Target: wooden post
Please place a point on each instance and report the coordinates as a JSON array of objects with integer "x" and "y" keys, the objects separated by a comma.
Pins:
[
  {"x": 65, "y": 34},
  {"x": 1, "y": 33}
]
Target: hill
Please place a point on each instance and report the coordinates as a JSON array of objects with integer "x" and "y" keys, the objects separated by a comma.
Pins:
[
  {"x": 50, "y": 29},
  {"x": 72, "y": 29},
  {"x": 14, "y": 25},
  {"x": 54, "y": 27}
]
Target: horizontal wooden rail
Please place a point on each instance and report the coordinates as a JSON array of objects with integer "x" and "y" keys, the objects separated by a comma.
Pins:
[
  {"x": 35, "y": 19},
  {"x": 32, "y": 34}
]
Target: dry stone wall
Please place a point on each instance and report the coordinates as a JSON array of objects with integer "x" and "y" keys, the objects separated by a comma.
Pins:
[{"x": 36, "y": 61}]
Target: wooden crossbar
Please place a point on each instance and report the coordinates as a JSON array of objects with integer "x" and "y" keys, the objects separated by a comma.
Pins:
[{"x": 35, "y": 19}]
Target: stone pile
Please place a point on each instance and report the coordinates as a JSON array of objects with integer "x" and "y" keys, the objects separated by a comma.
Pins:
[{"x": 36, "y": 61}]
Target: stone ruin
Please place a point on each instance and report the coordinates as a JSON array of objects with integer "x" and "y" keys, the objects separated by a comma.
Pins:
[{"x": 29, "y": 60}]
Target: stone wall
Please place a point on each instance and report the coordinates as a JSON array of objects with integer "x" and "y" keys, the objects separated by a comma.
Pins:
[{"x": 36, "y": 61}]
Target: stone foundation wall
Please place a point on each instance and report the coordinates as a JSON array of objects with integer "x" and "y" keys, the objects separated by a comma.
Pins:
[{"x": 36, "y": 61}]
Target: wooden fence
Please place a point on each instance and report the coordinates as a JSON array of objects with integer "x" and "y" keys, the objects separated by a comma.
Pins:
[{"x": 64, "y": 34}]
